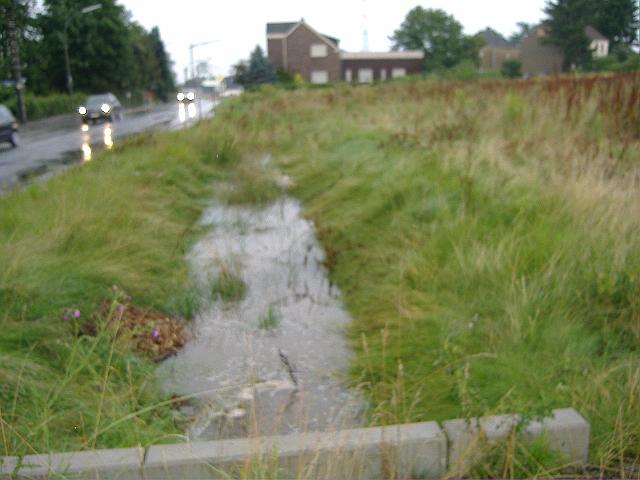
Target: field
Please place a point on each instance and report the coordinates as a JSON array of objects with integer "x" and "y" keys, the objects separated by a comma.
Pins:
[{"x": 484, "y": 234}]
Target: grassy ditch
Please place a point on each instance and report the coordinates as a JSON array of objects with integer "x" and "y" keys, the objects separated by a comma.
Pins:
[
  {"x": 125, "y": 219},
  {"x": 485, "y": 236}
]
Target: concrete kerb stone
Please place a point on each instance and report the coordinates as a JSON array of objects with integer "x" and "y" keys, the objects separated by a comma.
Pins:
[
  {"x": 566, "y": 430},
  {"x": 120, "y": 464},
  {"x": 402, "y": 451},
  {"x": 399, "y": 451}
]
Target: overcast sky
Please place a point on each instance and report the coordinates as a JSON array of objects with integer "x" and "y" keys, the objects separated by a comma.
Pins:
[{"x": 237, "y": 26}]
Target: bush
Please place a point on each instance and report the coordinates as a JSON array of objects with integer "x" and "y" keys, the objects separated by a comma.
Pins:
[
  {"x": 619, "y": 60},
  {"x": 42, "y": 107},
  {"x": 511, "y": 69},
  {"x": 463, "y": 71}
]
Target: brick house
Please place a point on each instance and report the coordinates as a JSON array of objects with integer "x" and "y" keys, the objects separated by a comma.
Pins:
[
  {"x": 297, "y": 48},
  {"x": 496, "y": 50},
  {"x": 540, "y": 58}
]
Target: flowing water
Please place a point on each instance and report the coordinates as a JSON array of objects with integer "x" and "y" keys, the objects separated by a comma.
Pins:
[{"x": 271, "y": 362}]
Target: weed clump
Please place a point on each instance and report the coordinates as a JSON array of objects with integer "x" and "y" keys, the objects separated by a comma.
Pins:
[
  {"x": 270, "y": 319},
  {"x": 228, "y": 287}
]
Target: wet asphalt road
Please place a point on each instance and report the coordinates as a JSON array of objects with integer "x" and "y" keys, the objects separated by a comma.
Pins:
[{"x": 51, "y": 145}]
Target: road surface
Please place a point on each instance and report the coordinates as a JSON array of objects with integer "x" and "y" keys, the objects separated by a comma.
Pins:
[{"x": 51, "y": 145}]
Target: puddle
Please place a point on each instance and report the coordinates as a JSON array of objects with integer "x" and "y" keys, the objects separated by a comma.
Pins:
[{"x": 271, "y": 362}]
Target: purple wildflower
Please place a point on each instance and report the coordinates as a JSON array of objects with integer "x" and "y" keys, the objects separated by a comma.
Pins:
[
  {"x": 65, "y": 317},
  {"x": 76, "y": 313},
  {"x": 155, "y": 333},
  {"x": 120, "y": 308}
]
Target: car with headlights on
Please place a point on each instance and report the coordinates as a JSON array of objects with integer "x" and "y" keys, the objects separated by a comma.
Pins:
[
  {"x": 104, "y": 106},
  {"x": 8, "y": 127},
  {"x": 186, "y": 97}
]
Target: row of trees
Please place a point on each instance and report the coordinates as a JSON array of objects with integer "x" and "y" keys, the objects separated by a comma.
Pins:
[{"x": 107, "y": 51}]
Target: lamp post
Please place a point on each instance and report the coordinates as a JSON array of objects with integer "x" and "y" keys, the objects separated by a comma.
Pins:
[
  {"x": 65, "y": 41},
  {"x": 191, "y": 61}
]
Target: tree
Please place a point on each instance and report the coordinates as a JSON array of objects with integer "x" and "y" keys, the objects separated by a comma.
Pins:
[
  {"x": 10, "y": 13},
  {"x": 439, "y": 35},
  {"x": 615, "y": 19},
  {"x": 523, "y": 29},
  {"x": 567, "y": 21},
  {"x": 257, "y": 71},
  {"x": 166, "y": 81},
  {"x": 100, "y": 53}
]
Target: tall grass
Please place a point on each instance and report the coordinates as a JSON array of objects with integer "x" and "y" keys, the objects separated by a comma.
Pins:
[
  {"x": 485, "y": 235},
  {"x": 126, "y": 219}
]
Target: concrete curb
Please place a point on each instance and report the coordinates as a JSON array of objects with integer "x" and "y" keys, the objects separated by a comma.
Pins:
[
  {"x": 421, "y": 450},
  {"x": 566, "y": 432}
]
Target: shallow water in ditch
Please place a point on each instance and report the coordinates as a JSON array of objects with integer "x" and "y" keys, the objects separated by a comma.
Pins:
[{"x": 250, "y": 378}]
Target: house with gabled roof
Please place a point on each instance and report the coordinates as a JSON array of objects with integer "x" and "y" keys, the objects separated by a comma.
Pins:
[
  {"x": 599, "y": 43},
  {"x": 496, "y": 50},
  {"x": 297, "y": 48}
]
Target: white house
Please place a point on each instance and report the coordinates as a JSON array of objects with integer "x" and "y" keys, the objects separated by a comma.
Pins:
[{"x": 599, "y": 43}]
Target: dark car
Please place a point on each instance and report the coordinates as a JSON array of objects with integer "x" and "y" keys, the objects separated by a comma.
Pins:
[
  {"x": 100, "y": 107},
  {"x": 8, "y": 127}
]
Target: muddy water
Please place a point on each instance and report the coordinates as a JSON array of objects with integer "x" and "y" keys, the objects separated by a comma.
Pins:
[{"x": 271, "y": 362}]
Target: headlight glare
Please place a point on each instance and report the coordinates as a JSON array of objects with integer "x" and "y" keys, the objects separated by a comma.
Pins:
[
  {"x": 105, "y": 108},
  {"x": 82, "y": 110},
  {"x": 191, "y": 96},
  {"x": 180, "y": 97}
]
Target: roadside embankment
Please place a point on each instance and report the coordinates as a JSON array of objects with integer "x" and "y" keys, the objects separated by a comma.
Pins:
[{"x": 68, "y": 377}]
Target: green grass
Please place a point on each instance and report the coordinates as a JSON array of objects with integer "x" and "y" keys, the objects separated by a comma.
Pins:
[
  {"x": 485, "y": 237},
  {"x": 270, "y": 319},
  {"x": 228, "y": 286},
  {"x": 127, "y": 219}
]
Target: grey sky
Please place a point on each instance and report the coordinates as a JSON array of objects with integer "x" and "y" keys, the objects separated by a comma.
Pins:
[{"x": 239, "y": 25}]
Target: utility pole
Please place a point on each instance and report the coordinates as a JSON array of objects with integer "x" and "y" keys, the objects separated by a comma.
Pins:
[{"x": 14, "y": 51}]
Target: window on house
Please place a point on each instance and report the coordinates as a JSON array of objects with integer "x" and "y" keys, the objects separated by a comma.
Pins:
[
  {"x": 398, "y": 72},
  {"x": 383, "y": 74},
  {"x": 319, "y": 76},
  {"x": 348, "y": 75},
  {"x": 319, "y": 50},
  {"x": 365, "y": 75}
]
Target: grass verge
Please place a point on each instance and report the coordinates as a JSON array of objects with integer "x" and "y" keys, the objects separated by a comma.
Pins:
[{"x": 126, "y": 219}]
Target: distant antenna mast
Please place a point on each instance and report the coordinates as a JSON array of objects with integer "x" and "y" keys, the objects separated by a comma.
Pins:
[{"x": 365, "y": 32}]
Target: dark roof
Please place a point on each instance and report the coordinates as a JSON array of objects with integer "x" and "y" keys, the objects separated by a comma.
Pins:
[
  {"x": 494, "y": 39},
  {"x": 593, "y": 34},
  {"x": 282, "y": 27},
  {"x": 285, "y": 27},
  {"x": 331, "y": 39}
]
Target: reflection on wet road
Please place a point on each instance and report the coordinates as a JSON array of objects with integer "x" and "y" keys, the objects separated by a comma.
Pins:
[
  {"x": 105, "y": 131},
  {"x": 50, "y": 146},
  {"x": 188, "y": 113}
]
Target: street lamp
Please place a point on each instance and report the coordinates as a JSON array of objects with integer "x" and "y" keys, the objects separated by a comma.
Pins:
[{"x": 65, "y": 41}]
